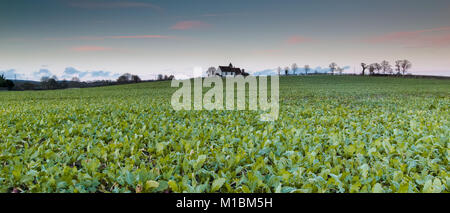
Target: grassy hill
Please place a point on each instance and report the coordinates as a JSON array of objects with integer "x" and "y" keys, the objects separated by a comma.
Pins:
[{"x": 334, "y": 134}]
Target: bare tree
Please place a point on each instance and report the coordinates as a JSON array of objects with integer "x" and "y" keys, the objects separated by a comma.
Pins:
[
  {"x": 406, "y": 65},
  {"x": 333, "y": 66},
  {"x": 378, "y": 67},
  {"x": 211, "y": 71},
  {"x": 307, "y": 69},
  {"x": 286, "y": 70},
  {"x": 372, "y": 68},
  {"x": 294, "y": 68},
  {"x": 398, "y": 66},
  {"x": 386, "y": 67},
  {"x": 364, "y": 67},
  {"x": 340, "y": 70},
  {"x": 279, "y": 70}
]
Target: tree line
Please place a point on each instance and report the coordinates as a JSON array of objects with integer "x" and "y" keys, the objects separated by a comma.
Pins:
[
  {"x": 52, "y": 82},
  {"x": 162, "y": 77},
  {"x": 75, "y": 82},
  {"x": 4, "y": 83},
  {"x": 334, "y": 68},
  {"x": 401, "y": 67}
]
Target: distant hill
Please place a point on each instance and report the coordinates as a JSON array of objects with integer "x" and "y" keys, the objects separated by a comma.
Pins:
[{"x": 26, "y": 81}]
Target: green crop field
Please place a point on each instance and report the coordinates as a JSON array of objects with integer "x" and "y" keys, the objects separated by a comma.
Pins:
[{"x": 334, "y": 134}]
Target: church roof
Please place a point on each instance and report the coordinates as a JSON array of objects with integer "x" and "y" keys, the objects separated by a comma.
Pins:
[{"x": 230, "y": 69}]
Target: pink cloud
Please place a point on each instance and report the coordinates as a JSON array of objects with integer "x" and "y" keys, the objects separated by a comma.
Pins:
[
  {"x": 297, "y": 40},
  {"x": 184, "y": 25},
  {"x": 89, "y": 48},
  {"x": 405, "y": 35},
  {"x": 440, "y": 40},
  {"x": 112, "y": 5}
]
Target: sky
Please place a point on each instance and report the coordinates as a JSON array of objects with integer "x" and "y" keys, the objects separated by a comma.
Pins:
[{"x": 101, "y": 39}]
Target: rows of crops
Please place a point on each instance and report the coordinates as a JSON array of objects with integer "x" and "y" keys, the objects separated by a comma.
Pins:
[{"x": 334, "y": 134}]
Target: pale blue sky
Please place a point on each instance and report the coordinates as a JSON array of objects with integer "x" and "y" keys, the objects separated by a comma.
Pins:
[{"x": 173, "y": 37}]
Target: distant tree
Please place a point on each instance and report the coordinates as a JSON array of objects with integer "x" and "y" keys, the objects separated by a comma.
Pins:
[
  {"x": 64, "y": 84},
  {"x": 211, "y": 71},
  {"x": 2, "y": 81},
  {"x": 340, "y": 70},
  {"x": 44, "y": 82},
  {"x": 279, "y": 70},
  {"x": 128, "y": 76},
  {"x": 135, "y": 79},
  {"x": 54, "y": 78},
  {"x": 286, "y": 70},
  {"x": 160, "y": 77},
  {"x": 122, "y": 79},
  {"x": 405, "y": 65},
  {"x": 398, "y": 66},
  {"x": 307, "y": 69},
  {"x": 28, "y": 86},
  {"x": 333, "y": 66},
  {"x": 390, "y": 71},
  {"x": 294, "y": 68},
  {"x": 52, "y": 83},
  {"x": 9, "y": 84},
  {"x": 125, "y": 78},
  {"x": 6, "y": 83},
  {"x": 166, "y": 77},
  {"x": 386, "y": 67},
  {"x": 171, "y": 77},
  {"x": 378, "y": 67},
  {"x": 364, "y": 67},
  {"x": 372, "y": 68},
  {"x": 44, "y": 78},
  {"x": 75, "y": 79},
  {"x": 49, "y": 82}
]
